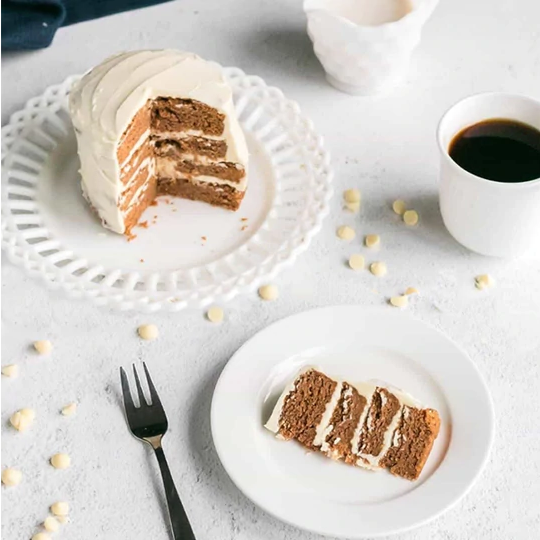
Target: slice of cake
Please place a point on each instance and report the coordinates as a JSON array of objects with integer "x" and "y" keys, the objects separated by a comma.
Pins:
[
  {"x": 151, "y": 123},
  {"x": 305, "y": 408},
  {"x": 364, "y": 424}
]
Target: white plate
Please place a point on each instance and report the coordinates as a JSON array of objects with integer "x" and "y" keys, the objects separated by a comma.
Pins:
[
  {"x": 315, "y": 493},
  {"x": 48, "y": 228}
]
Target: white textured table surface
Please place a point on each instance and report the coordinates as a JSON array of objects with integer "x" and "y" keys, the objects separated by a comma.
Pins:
[{"x": 386, "y": 147}]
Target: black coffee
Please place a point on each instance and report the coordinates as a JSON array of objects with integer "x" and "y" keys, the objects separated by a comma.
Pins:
[{"x": 498, "y": 149}]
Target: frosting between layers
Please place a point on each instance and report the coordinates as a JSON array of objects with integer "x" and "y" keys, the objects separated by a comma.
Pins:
[{"x": 103, "y": 103}]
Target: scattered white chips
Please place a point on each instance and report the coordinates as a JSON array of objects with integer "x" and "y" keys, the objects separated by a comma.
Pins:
[
  {"x": 268, "y": 292},
  {"x": 60, "y": 508},
  {"x": 60, "y": 461},
  {"x": 148, "y": 331},
  {"x": 22, "y": 420},
  {"x": 11, "y": 370},
  {"x": 11, "y": 477},
  {"x": 215, "y": 314},
  {"x": 43, "y": 346},
  {"x": 372, "y": 240},
  {"x": 51, "y": 524},
  {"x": 410, "y": 217},
  {"x": 352, "y": 196},
  {"x": 378, "y": 269},
  {"x": 484, "y": 280},
  {"x": 399, "y": 207},
  {"x": 69, "y": 410},
  {"x": 400, "y": 301},
  {"x": 357, "y": 262},
  {"x": 345, "y": 232}
]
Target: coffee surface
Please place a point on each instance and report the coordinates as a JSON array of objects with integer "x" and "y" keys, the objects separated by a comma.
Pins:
[{"x": 498, "y": 149}]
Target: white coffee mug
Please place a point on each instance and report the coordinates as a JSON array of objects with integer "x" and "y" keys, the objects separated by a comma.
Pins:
[{"x": 491, "y": 218}]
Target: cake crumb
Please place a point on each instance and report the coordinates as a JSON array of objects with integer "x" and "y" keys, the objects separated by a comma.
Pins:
[
  {"x": 378, "y": 269},
  {"x": 154, "y": 203},
  {"x": 43, "y": 346},
  {"x": 22, "y": 420},
  {"x": 60, "y": 508},
  {"x": 352, "y": 195},
  {"x": 203, "y": 238},
  {"x": 143, "y": 224},
  {"x": 244, "y": 219},
  {"x": 51, "y": 524},
  {"x": 483, "y": 281},
  {"x": 357, "y": 262},
  {"x": 399, "y": 301},
  {"x": 69, "y": 410},
  {"x": 410, "y": 217},
  {"x": 244, "y": 228},
  {"x": 131, "y": 236},
  {"x": 11, "y": 370},
  {"x": 399, "y": 207},
  {"x": 11, "y": 477},
  {"x": 141, "y": 260},
  {"x": 268, "y": 292},
  {"x": 215, "y": 314},
  {"x": 175, "y": 209},
  {"x": 148, "y": 332},
  {"x": 411, "y": 290},
  {"x": 61, "y": 461},
  {"x": 372, "y": 240},
  {"x": 345, "y": 232}
]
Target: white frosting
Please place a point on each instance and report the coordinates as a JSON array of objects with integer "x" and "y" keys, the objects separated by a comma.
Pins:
[
  {"x": 105, "y": 100},
  {"x": 367, "y": 390}
]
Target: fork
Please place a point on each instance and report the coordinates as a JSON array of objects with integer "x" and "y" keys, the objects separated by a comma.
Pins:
[{"x": 148, "y": 423}]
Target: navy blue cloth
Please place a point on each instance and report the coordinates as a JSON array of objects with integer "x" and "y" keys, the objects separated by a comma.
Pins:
[{"x": 31, "y": 24}]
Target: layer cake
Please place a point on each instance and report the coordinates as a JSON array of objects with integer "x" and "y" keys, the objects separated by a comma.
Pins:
[
  {"x": 152, "y": 123},
  {"x": 365, "y": 424}
]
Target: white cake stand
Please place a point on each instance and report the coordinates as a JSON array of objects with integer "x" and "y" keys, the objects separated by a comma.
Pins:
[{"x": 191, "y": 254}]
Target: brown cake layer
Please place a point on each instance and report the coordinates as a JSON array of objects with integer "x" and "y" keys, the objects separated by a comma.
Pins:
[
  {"x": 131, "y": 218},
  {"x": 412, "y": 442},
  {"x": 304, "y": 407},
  {"x": 214, "y": 194},
  {"x": 345, "y": 418},
  {"x": 384, "y": 407},
  {"x": 222, "y": 170},
  {"x": 198, "y": 146},
  {"x": 138, "y": 126},
  {"x": 175, "y": 114},
  {"x": 140, "y": 179}
]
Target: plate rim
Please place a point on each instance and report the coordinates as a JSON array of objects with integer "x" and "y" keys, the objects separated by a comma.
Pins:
[
  {"x": 491, "y": 424},
  {"x": 152, "y": 299}
]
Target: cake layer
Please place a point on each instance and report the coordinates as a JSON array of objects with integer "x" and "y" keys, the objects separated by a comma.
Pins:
[
  {"x": 412, "y": 442},
  {"x": 215, "y": 150},
  {"x": 169, "y": 168},
  {"x": 176, "y": 114},
  {"x": 215, "y": 194},
  {"x": 343, "y": 423},
  {"x": 139, "y": 179},
  {"x": 304, "y": 409},
  {"x": 135, "y": 135},
  {"x": 146, "y": 194}
]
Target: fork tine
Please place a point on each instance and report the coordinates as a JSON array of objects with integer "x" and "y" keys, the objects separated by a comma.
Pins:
[
  {"x": 128, "y": 399},
  {"x": 142, "y": 399},
  {"x": 153, "y": 391}
]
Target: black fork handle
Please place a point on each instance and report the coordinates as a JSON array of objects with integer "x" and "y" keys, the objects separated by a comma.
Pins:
[{"x": 179, "y": 520}]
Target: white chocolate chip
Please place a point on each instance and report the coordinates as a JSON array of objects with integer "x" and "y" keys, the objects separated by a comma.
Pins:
[
  {"x": 11, "y": 370},
  {"x": 372, "y": 240},
  {"x": 60, "y": 461},
  {"x": 22, "y": 419},
  {"x": 410, "y": 217},
  {"x": 411, "y": 290},
  {"x": 356, "y": 261},
  {"x": 215, "y": 314},
  {"x": 399, "y": 301},
  {"x": 51, "y": 524},
  {"x": 345, "y": 232},
  {"x": 148, "y": 331},
  {"x": 352, "y": 195},
  {"x": 352, "y": 207},
  {"x": 60, "y": 508},
  {"x": 483, "y": 281},
  {"x": 11, "y": 477},
  {"x": 268, "y": 292},
  {"x": 399, "y": 207},
  {"x": 43, "y": 346},
  {"x": 378, "y": 269},
  {"x": 41, "y": 536},
  {"x": 69, "y": 410}
]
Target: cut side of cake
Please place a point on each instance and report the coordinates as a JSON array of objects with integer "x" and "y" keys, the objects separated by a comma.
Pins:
[
  {"x": 368, "y": 425},
  {"x": 152, "y": 123}
]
